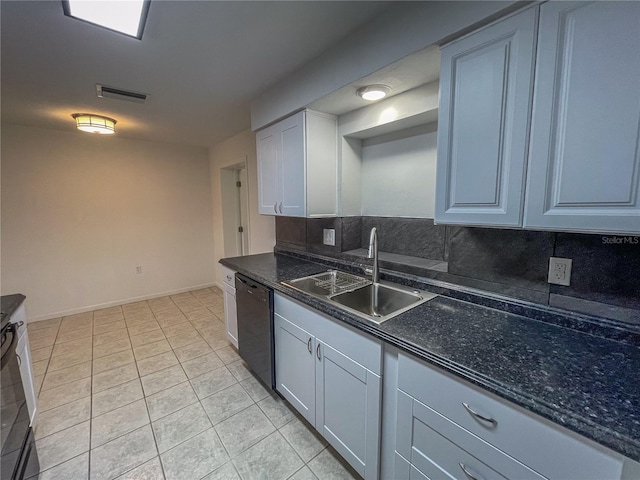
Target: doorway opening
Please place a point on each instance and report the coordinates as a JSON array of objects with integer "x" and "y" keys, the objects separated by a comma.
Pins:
[{"x": 235, "y": 210}]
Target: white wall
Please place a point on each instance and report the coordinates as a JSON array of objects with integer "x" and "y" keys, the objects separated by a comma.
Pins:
[
  {"x": 80, "y": 212},
  {"x": 401, "y": 30},
  {"x": 262, "y": 232},
  {"x": 399, "y": 173}
]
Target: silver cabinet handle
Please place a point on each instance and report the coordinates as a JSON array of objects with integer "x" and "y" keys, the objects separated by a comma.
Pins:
[
  {"x": 280, "y": 208},
  {"x": 19, "y": 359},
  {"x": 490, "y": 420},
  {"x": 229, "y": 277},
  {"x": 309, "y": 346},
  {"x": 466, "y": 472},
  {"x": 275, "y": 207},
  {"x": 318, "y": 352}
]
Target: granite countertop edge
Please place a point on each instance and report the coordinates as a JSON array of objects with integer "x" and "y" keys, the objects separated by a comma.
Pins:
[{"x": 567, "y": 418}]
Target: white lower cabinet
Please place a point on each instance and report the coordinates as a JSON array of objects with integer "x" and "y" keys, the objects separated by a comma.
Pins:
[
  {"x": 331, "y": 374},
  {"x": 447, "y": 428},
  {"x": 230, "y": 314}
]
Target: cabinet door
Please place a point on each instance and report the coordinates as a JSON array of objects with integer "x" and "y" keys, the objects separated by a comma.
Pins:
[
  {"x": 348, "y": 409},
  {"x": 438, "y": 448},
  {"x": 230, "y": 314},
  {"x": 295, "y": 367},
  {"x": 293, "y": 166},
  {"x": 585, "y": 142},
  {"x": 268, "y": 171},
  {"x": 485, "y": 91}
]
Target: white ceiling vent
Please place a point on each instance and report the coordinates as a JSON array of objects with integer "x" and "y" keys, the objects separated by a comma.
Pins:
[{"x": 102, "y": 91}]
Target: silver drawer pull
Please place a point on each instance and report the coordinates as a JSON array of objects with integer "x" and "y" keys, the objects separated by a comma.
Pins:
[
  {"x": 275, "y": 207},
  {"x": 309, "y": 345},
  {"x": 466, "y": 472},
  {"x": 318, "y": 352},
  {"x": 492, "y": 421}
]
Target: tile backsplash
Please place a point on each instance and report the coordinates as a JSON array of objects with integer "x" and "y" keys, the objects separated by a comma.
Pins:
[{"x": 514, "y": 263}]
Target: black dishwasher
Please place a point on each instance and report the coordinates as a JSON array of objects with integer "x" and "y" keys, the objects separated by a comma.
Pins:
[{"x": 254, "y": 304}]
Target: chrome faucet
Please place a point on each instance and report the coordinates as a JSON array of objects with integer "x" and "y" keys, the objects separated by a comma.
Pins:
[{"x": 373, "y": 253}]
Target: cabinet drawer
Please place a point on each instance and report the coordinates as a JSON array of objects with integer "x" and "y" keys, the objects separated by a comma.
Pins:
[
  {"x": 530, "y": 439},
  {"x": 228, "y": 276},
  {"x": 362, "y": 348},
  {"x": 434, "y": 444}
]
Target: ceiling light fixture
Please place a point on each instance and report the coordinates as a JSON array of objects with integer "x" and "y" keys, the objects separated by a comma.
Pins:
[
  {"x": 127, "y": 16},
  {"x": 88, "y": 122},
  {"x": 373, "y": 92}
]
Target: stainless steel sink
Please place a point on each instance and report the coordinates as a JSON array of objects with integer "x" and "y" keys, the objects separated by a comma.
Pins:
[{"x": 374, "y": 301}]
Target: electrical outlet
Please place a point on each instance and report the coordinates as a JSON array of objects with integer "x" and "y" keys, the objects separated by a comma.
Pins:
[
  {"x": 329, "y": 236},
  {"x": 560, "y": 271},
  {"x": 139, "y": 270}
]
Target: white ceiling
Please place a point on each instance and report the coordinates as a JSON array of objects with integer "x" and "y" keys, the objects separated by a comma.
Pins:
[{"x": 201, "y": 62}]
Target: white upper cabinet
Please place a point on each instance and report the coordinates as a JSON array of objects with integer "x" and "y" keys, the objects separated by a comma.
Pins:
[
  {"x": 485, "y": 92},
  {"x": 585, "y": 157},
  {"x": 297, "y": 166}
]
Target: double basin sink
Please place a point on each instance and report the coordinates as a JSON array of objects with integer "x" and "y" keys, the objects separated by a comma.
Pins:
[{"x": 374, "y": 301}]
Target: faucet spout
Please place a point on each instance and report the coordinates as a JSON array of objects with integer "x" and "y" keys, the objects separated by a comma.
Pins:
[{"x": 373, "y": 253}]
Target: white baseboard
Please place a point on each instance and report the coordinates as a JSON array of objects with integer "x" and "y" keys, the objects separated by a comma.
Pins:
[{"x": 115, "y": 303}]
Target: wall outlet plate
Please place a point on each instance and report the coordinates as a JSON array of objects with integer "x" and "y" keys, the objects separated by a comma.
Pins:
[
  {"x": 329, "y": 236},
  {"x": 560, "y": 271}
]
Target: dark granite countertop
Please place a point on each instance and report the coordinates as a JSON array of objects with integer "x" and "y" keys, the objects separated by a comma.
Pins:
[
  {"x": 9, "y": 304},
  {"x": 584, "y": 382}
]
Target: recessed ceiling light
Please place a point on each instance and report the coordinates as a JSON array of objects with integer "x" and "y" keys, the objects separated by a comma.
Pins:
[
  {"x": 127, "y": 16},
  {"x": 373, "y": 92},
  {"x": 88, "y": 122}
]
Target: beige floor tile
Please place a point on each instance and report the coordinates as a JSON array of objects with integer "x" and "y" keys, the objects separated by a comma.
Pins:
[
  {"x": 163, "y": 379},
  {"x": 64, "y": 394},
  {"x": 151, "y": 470},
  {"x": 170, "y": 400},
  {"x": 228, "y": 354},
  {"x": 255, "y": 388},
  {"x": 66, "y": 375},
  {"x": 151, "y": 349},
  {"x": 116, "y": 397},
  {"x": 39, "y": 368},
  {"x": 244, "y": 430},
  {"x": 35, "y": 326},
  {"x": 184, "y": 339},
  {"x": 112, "y": 361},
  {"x": 63, "y": 417},
  {"x": 72, "y": 346},
  {"x": 109, "y": 326},
  {"x": 73, "y": 333},
  {"x": 41, "y": 341},
  {"x": 201, "y": 364},
  {"x": 276, "y": 410},
  {"x": 147, "y": 337},
  {"x": 122, "y": 454},
  {"x": 270, "y": 458},
  {"x": 41, "y": 332},
  {"x": 141, "y": 328},
  {"x": 41, "y": 353},
  {"x": 149, "y": 365},
  {"x": 179, "y": 426},
  {"x": 226, "y": 403},
  {"x": 107, "y": 319},
  {"x": 212, "y": 382},
  {"x": 240, "y": 370},
  {"x": 193, "y": 350},
  {"x": 118, "y": 422},
  {"x": 109, "y": 348},
  {"x": 304, "y": 439},
  {"x": 109, "y": 337},
  {"x": 62, "y": 446},
  {"x": 225, "y": 472},
  {"x": 303, "y": 474},
  {"x": 117, "y": 376},
  {"x": 328, "y": 465},
  {"x": 180, "y": 329},
  {"x": 75, "y": 469},
  {"x": 69, "y": 360},
  {"x": 195, "y": 458}
]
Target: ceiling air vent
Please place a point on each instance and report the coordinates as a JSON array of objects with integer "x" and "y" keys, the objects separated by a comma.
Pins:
[{"x": 119, "y": 94}]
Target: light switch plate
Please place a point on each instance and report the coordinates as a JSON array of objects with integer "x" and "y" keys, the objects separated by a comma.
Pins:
[{"x": 329, "y": 236}]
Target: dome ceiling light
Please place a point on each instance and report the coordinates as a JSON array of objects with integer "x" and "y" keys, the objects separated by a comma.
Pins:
[
  {"x": 88, "y": 122},
  {"x": 373, "y": 92}
]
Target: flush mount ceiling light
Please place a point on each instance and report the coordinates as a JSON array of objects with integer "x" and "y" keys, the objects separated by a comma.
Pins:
[
  {"x": 127, "y": 16},
  {"x": 373, "y": 92},
  {"x": 88, "y": 122}
]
